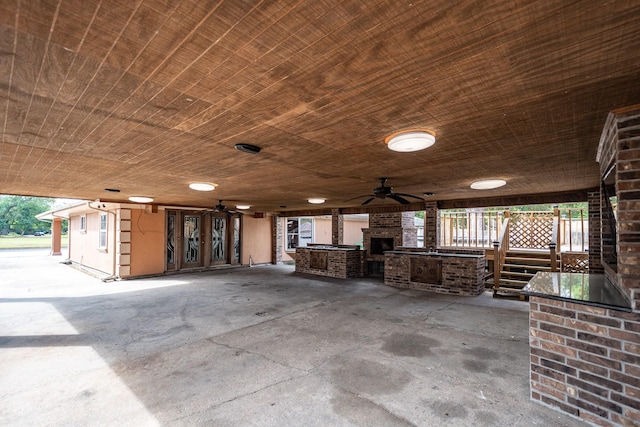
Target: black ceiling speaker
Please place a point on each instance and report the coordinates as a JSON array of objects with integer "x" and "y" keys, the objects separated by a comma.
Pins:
[{"x": 248, "y": 148}]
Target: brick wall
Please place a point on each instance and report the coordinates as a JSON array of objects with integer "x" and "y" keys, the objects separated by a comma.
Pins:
[
  {"x": 391, "y": 219},
  {"x": 337, "y": 227},
  {"x": 431, "y": 225},
  {"x": 620, "y": 149},
  {"x": 585, "y": 361},
  {"x": 341, "y": 264},
  {"x": 460, "y": 275},
  {"x": 595, "y": 242},
  {"x": 628, "y": 192}
]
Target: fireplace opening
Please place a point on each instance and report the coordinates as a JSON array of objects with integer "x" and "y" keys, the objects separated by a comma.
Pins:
[{"x": 379, "y": 245}]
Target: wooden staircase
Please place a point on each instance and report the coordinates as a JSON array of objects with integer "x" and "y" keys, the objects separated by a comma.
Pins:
[{"x": 518, "y": 268}]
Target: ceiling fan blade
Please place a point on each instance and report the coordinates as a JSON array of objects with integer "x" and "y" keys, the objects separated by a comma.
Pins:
[
  {"x": 398, "y": 199},
  {"x": 367, "y": 201},
  {"x": 409, "y": 195},
  {"x": 358, "y": 197}
]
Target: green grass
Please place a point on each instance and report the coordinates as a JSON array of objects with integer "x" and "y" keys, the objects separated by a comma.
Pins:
[{"x": 22, "y": 242}]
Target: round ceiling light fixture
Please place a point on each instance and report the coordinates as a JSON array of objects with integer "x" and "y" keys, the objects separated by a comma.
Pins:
[
  {"x": 202, "y": 186},
  {"x": 316, "y": 201},
  {"x": 410, "y": 140},
  {"x": 488, "y": 184},
  {"x": 141, "y": 199},
  {"x": 242, "y": 207}
]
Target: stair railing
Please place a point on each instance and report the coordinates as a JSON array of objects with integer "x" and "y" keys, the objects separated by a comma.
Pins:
[
  {"x": 500, "y": 248},
  {"x": 553, "y": 244}
]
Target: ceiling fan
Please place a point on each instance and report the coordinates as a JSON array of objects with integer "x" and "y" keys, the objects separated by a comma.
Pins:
[
  {"x": 220, "y": 208},
  {"x": 383, "y": 192}
]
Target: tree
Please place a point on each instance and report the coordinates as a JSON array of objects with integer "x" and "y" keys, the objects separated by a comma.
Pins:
[{"x": 18, "y": 214}]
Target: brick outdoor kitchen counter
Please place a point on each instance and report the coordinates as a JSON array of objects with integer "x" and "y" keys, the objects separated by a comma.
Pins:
[
  {"x": 339, "y": 261},
  {"x": 585, "y": 352},
  {"x": 445, "y": 273}
]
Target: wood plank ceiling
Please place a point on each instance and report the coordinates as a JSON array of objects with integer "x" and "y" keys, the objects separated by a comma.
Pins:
[{"x": 148, "y": 96}]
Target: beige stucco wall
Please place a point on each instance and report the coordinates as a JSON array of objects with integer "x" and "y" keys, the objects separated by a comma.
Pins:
[
  {"x": 147, "y": 242},
  {"x": 83, "y": 247},
  {"x": 256, "y": 240}
]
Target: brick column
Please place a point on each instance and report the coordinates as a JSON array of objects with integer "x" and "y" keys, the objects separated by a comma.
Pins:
[
  {"x": 595, "y": 240},
  {"x": 431, "y": 225},
  {"x": 277, "y": 239},
  {"x": 628, "y": 192},
  {"x": 337, "y": 227}
]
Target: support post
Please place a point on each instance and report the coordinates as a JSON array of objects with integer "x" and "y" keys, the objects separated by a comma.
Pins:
[{"x": 56, "y": 236}]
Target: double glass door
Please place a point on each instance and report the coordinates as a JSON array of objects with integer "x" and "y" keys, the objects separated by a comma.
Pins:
[{"x": 196, "y": 239}]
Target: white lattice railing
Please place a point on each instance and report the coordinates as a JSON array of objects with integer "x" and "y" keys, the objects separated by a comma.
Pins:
[{"x": 527, "y": 229}]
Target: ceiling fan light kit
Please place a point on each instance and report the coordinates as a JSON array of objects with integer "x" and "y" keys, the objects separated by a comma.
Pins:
[{"x": 407, "y": 141}]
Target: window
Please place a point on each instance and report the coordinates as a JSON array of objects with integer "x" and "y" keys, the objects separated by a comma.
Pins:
[
  {"x": 102, "y": 234},
  {"x": 299, "y": 232},
  {"x": 83, "y": 223}
]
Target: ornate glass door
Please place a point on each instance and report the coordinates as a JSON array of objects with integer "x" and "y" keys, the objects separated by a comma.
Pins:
[
  {"x": 171, "y": 255},
  {"x": 191, "y": 240},
  {"x": 219, "y": 240}
]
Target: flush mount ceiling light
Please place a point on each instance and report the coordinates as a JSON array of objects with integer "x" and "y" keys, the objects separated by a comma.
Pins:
[
  {"x": 316, "y": 201},
  {"x": 488, "y": 184},
  {"x": 410, "y": 140},
  {"x": 242, "y": 207},
  {"x": 202, "y": 186},
  {"x": 248, "y": 148},
  {"x": 141, "y": 199}
]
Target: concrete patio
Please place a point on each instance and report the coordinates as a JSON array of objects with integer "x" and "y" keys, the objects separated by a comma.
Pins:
[{"x": 255, "y": 346}]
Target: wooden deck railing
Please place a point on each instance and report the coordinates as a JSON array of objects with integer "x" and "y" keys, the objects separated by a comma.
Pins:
[{"x": 500, "y": 247}]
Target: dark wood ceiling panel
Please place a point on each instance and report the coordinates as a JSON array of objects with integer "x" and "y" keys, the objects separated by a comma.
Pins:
[{"x": 151, "y": 95}]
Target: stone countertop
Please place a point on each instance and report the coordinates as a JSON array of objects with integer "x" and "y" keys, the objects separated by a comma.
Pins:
[
  {"x": 590, "y": 289},
  {"x": 327, "y": 248},
  {"x": 433, "y": 254}
]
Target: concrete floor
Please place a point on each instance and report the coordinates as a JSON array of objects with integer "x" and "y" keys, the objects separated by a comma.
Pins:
[{"x": 258, "y": 346}]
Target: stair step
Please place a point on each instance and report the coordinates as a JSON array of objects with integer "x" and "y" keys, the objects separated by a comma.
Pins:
[
  {"x": 523, "y": 283},
  {"x": 527, "y": 260},
  {"x": 528, "y": 267},
  {"x": 516, "y": 273}
]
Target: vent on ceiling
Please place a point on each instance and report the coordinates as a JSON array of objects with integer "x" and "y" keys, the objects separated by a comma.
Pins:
[{"x": 248, "y": 148}]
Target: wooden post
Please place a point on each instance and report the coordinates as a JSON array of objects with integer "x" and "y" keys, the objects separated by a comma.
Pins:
[
  {"x": 496, "y": 265},
  {"x": 506, "y": 214}
]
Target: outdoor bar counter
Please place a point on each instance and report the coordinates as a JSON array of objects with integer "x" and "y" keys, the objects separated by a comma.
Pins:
[
  {"x": 447, "y": 273},
  {"x": 583, "y": 338},
  {"x": 340, "y": 261}
]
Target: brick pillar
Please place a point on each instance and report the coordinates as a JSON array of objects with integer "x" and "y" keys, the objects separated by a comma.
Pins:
[
  {"x": 56, "y": 236},
  {"x": 431, "y": 225},
  {"x": 595, "y": 241},
  {"x": 337, "y": 227},
  {"x": 277, "y": 239},
  {"x": 628, "y": 192}
]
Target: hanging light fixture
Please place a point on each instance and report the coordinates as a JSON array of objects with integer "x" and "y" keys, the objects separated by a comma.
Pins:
[{"x": 410, "y": 140}]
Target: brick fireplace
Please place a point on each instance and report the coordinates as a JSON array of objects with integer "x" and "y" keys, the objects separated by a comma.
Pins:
[{"x": 386, "y": 232}]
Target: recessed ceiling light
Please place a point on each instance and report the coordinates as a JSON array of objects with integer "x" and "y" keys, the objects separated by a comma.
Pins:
[
  {"x": 242, "y": 207},
  {"x": 141, "y": 199},
  {"x": 488, "y": 184},
  {"x": 202, "y": 186},
  {"x": 316, "y": 201},
  {"x": 410, "y": 140}
]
